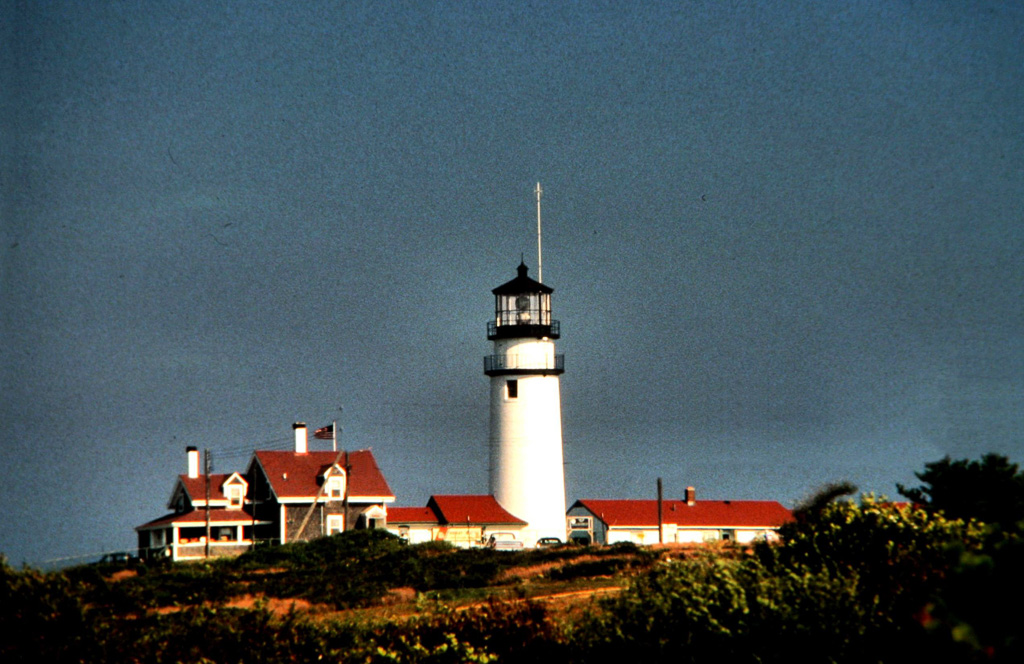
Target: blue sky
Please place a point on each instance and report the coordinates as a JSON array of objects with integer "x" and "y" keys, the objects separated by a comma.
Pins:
[{"x": 785, "y": 241}]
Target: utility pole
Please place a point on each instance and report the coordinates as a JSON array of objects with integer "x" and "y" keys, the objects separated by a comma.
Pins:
[
  {"x": 206, "y": 472},
  {"x": 252, "y": 488},
  {"x": 661, "y": 524},
  {"x": 348, "y": 474}
]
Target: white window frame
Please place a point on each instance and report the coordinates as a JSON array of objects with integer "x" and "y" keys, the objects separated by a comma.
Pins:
[
  {"x": 579, "y": 522},
  {"x": 335, "y": 524},
  {"x": 235, "y": 495},
  {"x": 335, "y": 489}
]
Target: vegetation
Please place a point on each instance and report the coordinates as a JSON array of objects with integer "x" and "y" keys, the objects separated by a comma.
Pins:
[
  {"x": 990, "y": 490},
  {"x": 850, "y": 581}
]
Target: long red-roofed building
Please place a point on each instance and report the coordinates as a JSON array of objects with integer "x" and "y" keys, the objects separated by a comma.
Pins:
[{"x": 683, "y": 521}]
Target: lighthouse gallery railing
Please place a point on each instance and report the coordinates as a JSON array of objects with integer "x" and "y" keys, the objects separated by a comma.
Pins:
[{"x": 524, "y": 364}]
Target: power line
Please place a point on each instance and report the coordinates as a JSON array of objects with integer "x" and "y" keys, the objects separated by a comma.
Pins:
[{"x": 254, "y": 446}]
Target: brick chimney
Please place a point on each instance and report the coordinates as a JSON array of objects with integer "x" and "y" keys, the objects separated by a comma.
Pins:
[
  {"x": 691, "y": 496},
  {"x": 301, "y": 442},
  {"x": 192, "y": 455}
]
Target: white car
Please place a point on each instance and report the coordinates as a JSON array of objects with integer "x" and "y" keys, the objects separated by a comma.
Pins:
[{"x": 504, "y": 542}]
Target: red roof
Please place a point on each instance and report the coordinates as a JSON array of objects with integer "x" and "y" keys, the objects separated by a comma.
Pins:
[
  {"x": 702, "y": 514},
  {"x": 195, "y": 487},
  {"x": 218, "y": 517},
  {"x": 295, "y": 475},
  {"x": 471, "y": 509},
  {"x": 411, "y": 515}
]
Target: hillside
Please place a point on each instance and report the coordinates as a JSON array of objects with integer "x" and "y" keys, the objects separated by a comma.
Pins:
[{"x": 849, "y": 583}]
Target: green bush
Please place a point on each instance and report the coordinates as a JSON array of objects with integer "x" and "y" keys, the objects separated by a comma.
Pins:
[
  {"x": 975, "y": 612},
  {"x": 506, "y": 632},
  {"x": 898, "y": 554},
  {"x": 712, "y": 609},
  {"x": 357, "y": 568},
  {"x": 42, "y": 617}
]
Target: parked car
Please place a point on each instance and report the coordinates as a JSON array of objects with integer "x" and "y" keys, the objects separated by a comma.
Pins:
[
  {"x": 548, "y": 542},
  {"x": 504, "y": 542},
  {"x": 117, "y": 558}
]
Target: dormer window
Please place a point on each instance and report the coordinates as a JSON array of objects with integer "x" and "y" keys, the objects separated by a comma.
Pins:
[
  {"x": 334, "y": 480},
  {"x": 335, "y": 488},
  {"x": 234, "y": 489},
  {"x": 236, "y": 494}
]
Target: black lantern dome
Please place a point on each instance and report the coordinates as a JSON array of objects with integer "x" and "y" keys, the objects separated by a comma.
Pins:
[{"x": 522, "y": 308}]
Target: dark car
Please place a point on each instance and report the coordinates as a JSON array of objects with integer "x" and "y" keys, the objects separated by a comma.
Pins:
[
  {"x": 548, "y": 542},
  {"x": 118, "y": 558}
]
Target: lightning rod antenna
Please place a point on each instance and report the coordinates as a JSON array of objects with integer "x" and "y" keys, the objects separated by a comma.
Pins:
[{"x": 540, "y": 263}]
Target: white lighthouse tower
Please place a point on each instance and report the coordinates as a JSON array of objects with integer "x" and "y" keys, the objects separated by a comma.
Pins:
[{"x": 526, "y": 474}]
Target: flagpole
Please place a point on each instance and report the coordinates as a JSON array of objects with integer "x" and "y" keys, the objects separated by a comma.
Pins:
[
  {"x": 334, "y": 435},
  {"x": 540, "y": 263}
]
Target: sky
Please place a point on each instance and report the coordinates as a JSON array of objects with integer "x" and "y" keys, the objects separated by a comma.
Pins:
[{"x": 785, "y": 241}]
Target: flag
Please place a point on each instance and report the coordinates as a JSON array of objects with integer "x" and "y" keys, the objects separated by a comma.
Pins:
[{"x": 325, "y": 433}]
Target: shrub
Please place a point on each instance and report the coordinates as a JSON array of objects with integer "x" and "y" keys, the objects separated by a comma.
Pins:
[
  {"x": 712, "y": 609},
  {"x": 975, "y": 612},
  {"x": 42, "y": 617},
  {"x": 590, "y": 568},
  {"x": 895, "y": 556}
]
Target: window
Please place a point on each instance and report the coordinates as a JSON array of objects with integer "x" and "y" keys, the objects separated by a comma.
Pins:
[
  {"x": 235, "y": 495},
  {"x": 335, "y": 487},
  {"x": 335, "y": 523},
  {"x": 512, "y": 389},
  {"x": 579, "y": 523}
]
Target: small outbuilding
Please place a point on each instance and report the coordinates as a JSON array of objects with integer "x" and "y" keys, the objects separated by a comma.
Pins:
[{"x": 462, "y": 520}]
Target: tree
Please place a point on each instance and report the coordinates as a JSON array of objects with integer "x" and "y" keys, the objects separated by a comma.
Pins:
[{"x": 990, "y": 490}]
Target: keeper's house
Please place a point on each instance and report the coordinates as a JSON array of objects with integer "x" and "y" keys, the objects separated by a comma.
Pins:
[
  {"x": 284, "y": 496},
  {"x": 687, "y": 521}
]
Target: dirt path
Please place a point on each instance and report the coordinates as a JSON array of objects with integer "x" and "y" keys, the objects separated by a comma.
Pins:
[{"x": 559, "y": 601}]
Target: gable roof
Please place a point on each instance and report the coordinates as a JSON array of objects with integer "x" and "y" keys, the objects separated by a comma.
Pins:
[
  {"x": 702, "y": 514},
  {"x": 294, "y": 475},
  {"x": 195, "y": 487},
  {"x": 484, "y": 509},
  {"x": 398, "y": 515}
]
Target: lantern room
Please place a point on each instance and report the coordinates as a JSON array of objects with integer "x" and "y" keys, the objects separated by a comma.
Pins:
[{"x": 522, "y": 308}]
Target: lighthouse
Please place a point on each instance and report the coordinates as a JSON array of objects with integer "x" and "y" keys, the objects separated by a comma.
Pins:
[{"x": 526, "y": 475}]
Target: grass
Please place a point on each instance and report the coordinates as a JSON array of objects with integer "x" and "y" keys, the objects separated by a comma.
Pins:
[{"x": 367, "y": 575}]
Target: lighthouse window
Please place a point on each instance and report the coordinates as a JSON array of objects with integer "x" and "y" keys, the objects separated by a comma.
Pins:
[{"x": 512, "y": 389}]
